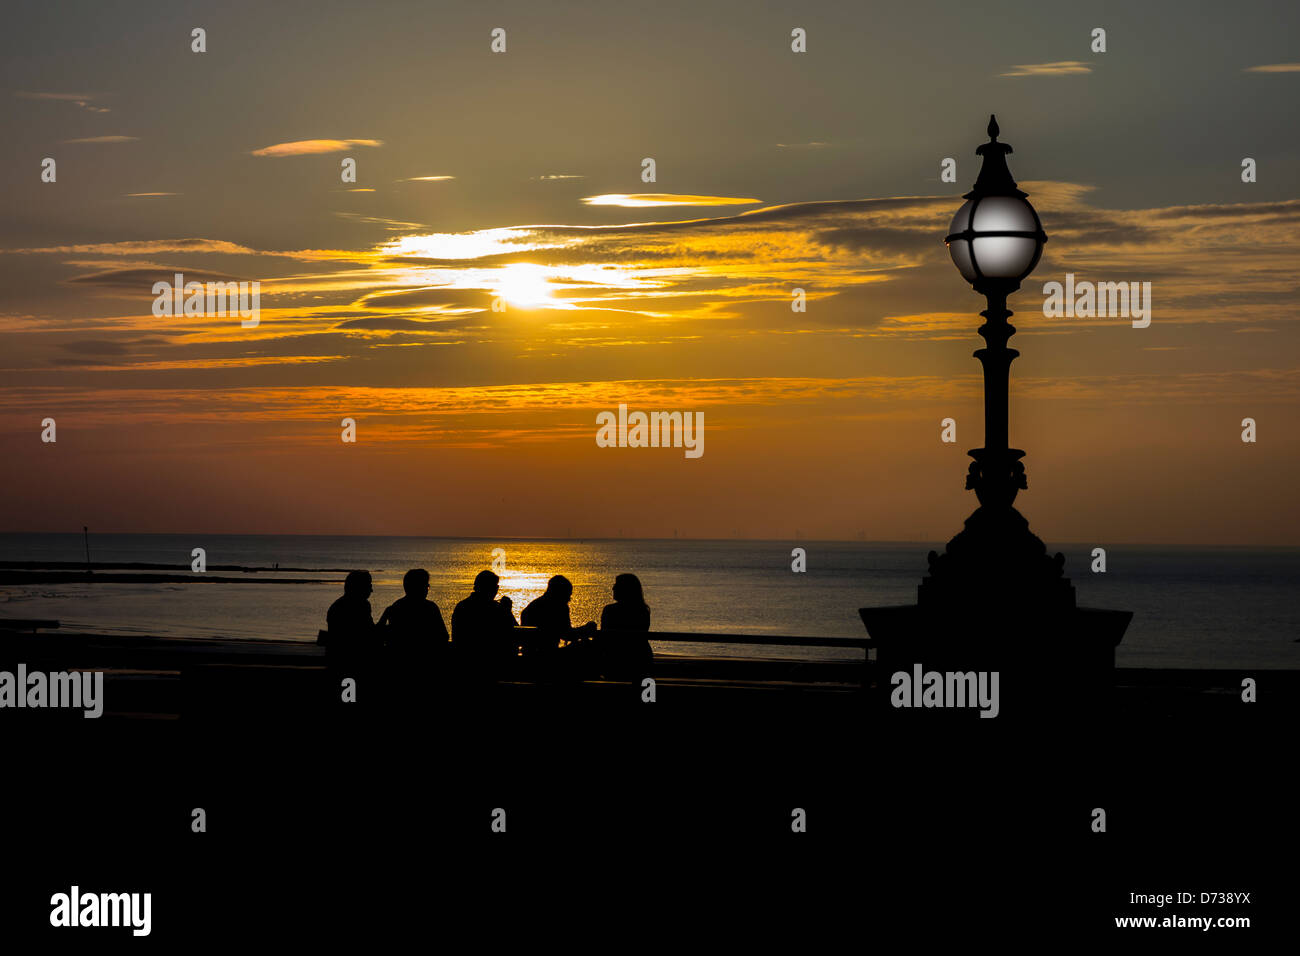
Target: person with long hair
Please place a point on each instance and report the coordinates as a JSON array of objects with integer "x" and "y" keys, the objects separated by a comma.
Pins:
[{"x": 626, "y": 655}]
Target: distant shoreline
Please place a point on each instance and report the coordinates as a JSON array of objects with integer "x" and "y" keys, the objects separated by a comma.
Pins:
[
  {"x": 80, "y": 566},
  {"x": 81, "y": 577}
]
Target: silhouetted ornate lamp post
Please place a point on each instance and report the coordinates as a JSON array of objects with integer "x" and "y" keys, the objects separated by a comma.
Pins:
[
  {"x": 995, "y": 240},
  {"x": 995, "y": 599}
]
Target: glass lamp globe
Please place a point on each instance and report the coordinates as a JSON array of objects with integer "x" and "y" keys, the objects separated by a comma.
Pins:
[{"x": 995, "y": 237}]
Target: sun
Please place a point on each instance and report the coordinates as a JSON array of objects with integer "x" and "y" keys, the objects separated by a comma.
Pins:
[{"x": 524, "y": 285}]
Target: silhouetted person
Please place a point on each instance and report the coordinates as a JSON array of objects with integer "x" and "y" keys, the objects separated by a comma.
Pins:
[
  {"x": 626, "y": 656},
  {"x": 550, "y": 614},
  {"x": 412, "y": 629},
  {"x": 352, "y": 642},
  {"x": 482, "y": 630}
]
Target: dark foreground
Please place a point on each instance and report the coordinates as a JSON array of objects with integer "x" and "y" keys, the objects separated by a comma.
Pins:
[{"x": 627, "y": 821}]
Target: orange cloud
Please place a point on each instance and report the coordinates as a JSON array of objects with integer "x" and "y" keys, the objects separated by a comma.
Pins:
[
  {"x": 1061, "y": 68},
  {"x": 664, "y": 199},
  {"x": 306, "y": 147},
  {"x": 104, "y": 139}
]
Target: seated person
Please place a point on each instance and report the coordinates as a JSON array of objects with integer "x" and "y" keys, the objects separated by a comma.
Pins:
[
  {"x": 550, "y": 614},
  {"x": 412, "y": 626},
  {"x": 482, "y": 628},
  {"x": 625, "y": 655},
  {"x": 349, "y": 625}
]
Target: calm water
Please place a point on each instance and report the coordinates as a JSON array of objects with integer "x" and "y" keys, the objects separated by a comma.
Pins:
[{"x": 1221, "y": 607}]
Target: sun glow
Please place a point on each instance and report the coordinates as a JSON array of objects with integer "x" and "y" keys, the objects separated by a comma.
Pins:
[{"x": 524, "y": 285}]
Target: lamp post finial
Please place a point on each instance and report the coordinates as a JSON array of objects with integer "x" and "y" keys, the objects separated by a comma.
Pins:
[{"x": 994, "y": 178}]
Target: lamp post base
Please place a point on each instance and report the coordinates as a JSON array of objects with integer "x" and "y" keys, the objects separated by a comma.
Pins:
[
  {"x": 1049, "y": 664},
  {"x": 996, "y": 562},
  {"x": 996, "y": 602}
]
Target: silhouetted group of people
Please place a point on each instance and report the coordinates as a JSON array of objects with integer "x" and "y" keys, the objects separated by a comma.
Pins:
[{"x": 410, "y": 642}]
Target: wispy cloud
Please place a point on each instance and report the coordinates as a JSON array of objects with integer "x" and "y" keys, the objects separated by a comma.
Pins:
[
  {"x": 307, "y": 147},
  {"x": 137, "y": 247},
  {"x": 393, "y": 225},
  {"x": 104, "y": 139},
  {"x": 593, "y": 295},
  {"x": 1274, "y": 68},
  {"x": 505, "y": 414},
  {"x": 664, "y": 199},
  {"x": 426, "y": 179},
  {"x": 554, "y": 176},
  {"x": 139, "y": 281},
  {"x": 1062, "y": 68},
  {"x": 82, "y": 100},
  {"x": 149, "y": 195}
]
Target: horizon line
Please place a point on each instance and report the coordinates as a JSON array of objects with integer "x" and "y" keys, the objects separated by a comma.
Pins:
[{"x": 602, "y": 538}]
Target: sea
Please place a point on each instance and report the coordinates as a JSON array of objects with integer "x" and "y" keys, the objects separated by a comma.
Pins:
[{"x": 1194, "y": 607}]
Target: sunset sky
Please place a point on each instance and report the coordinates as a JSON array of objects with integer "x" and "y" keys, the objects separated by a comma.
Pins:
[{"x": 518, "y": 175}]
